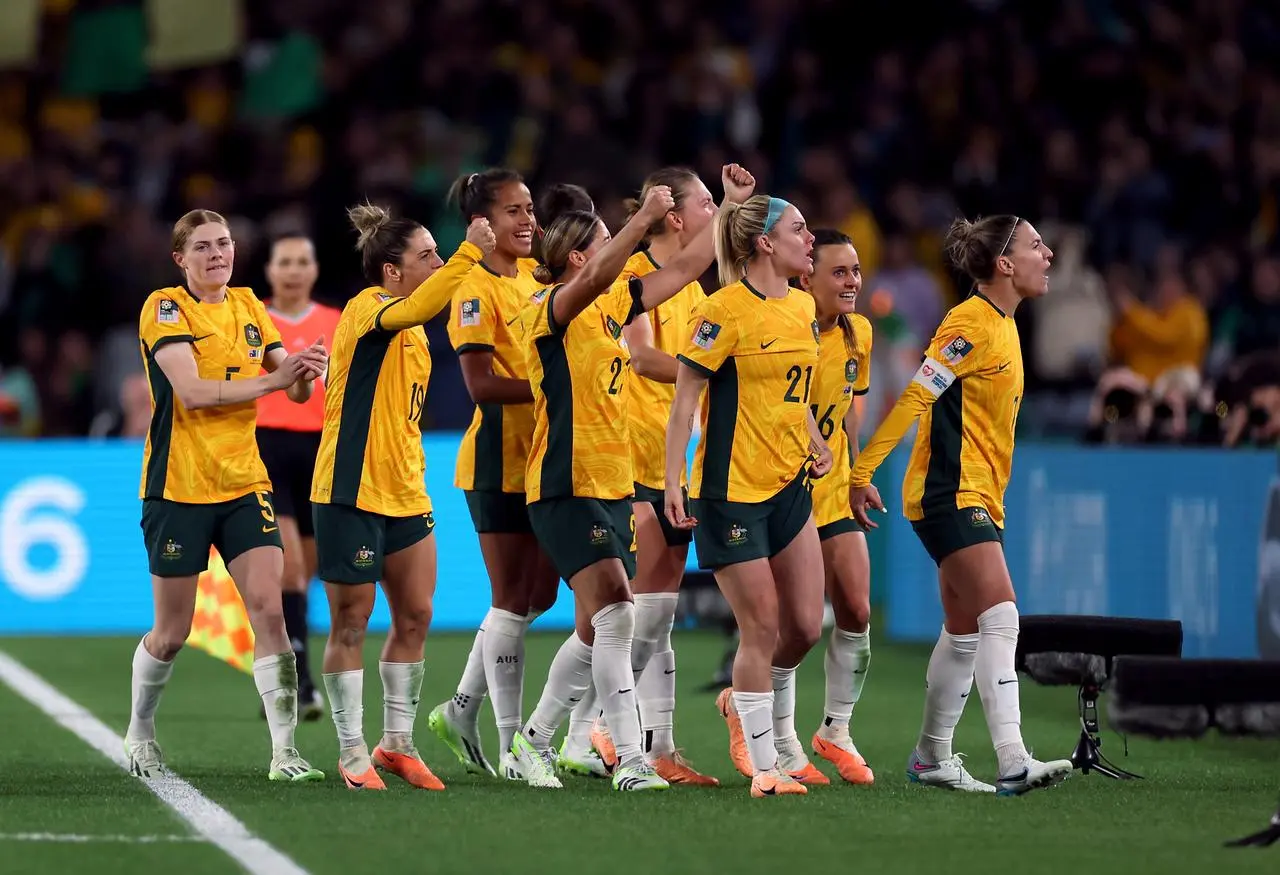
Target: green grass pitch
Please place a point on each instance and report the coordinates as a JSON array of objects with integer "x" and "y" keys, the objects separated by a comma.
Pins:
[{"x": 1195, "y": 795}]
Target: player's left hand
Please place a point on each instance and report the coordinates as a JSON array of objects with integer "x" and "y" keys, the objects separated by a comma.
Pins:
[
  {"x": 315, "y": 359},
  {"x": 822, "y": 460},
  {"x": 861, "y": 498},
  {"x": 738, "y": 183}
]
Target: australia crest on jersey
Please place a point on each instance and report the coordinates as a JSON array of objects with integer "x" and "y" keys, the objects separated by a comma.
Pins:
[
  {"x": 252, "y": 335},
  {"x": 615, "y": 330},
  {"x": 851, "y": 370}
]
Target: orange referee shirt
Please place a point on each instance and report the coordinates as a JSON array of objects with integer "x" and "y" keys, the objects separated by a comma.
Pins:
[{"x": 298, "y": 333}]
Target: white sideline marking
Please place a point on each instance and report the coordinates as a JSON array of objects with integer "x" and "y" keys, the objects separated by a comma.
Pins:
[
  {"x": 73, "y": 838},
  {"x": 206, "y": 818}
]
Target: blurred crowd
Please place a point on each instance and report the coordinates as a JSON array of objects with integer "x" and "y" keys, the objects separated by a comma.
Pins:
[{"x": 1142, "y": 139}]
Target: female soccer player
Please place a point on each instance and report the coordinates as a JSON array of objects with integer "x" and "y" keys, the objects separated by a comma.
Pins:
[
  {"x": 754, "y": 350},
  {"x": 204, "y": 484},
  {"x": 653, "y": 339},
  {"x": 579, "y": 480},
  {"x": 463, "y": 709},
  {"x": 372, "y": 514},
  {"x": 491, "y": 463},
  {"x": 844, "y": 370},
  {"x": 289, "y": 438},
  {"x": 966, "y": 395}
]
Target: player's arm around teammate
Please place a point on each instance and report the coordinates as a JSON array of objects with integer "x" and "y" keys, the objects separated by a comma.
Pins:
[
  {"x": 754, "y": 350},
  {"x": 203, "y": 481},
  {"x": 579, "y": 481},
  {"x": 372, "y": 513},
  {"x": 844, "y": 371},
  {"x": 967, "y": 394}
]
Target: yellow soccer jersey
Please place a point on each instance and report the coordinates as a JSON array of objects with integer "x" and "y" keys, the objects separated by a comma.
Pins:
[
  {"x": 371, "y": 448},
  {"x": 209, "y": 455},
  {"x": 844, "y": 370},
  {"x": 578, "y": 372},
  {"x": 966, "y": 394},
  {"x": 526, "y": 266},
  {"x": 760, "y": 355},
  {"x": 486, "y": 313},
  {"x": 648, "y": 401}
]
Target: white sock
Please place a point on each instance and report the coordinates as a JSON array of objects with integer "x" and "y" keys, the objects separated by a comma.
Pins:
[
  {"x": 656, "y": 695},
  {"x": 346, "y": 701},
  {"x": 581, "y": 718},
  {"x": 530, "y": 617},
  {"x": 998, "y": 683},
  {"x": 846, "y": 662},
  {"x": 755, "y": 711},
  {"x": 614, "y": 678},
  {"x": 149, "y": 677},
  {"x": 652, "y": 656},
  {"x": 566, "y": 683},
  {"x": 949, "y": 680},
  {"x": 277, "y": 681},
  {"x": 401, "y": 687},
  {"x": 784, "y": 705},
  {"x": 464, "y": 707},
  {"x": 504, "y": 670}
]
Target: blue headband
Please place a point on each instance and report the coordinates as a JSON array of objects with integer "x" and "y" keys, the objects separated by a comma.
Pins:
[{"x": 776, "y": 206}]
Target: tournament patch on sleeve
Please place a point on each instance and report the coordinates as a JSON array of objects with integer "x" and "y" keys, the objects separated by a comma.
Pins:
[
  {"x": 167, "y": 312},
  {"x": 934, "y": 376},
  {"x": 956, "y": 350},
  {"x": 469, "y": 313},
  {"x": 706, "y": 333}
]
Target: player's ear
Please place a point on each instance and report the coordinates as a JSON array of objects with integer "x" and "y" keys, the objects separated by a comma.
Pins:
[{"x": 179, "y": 260}]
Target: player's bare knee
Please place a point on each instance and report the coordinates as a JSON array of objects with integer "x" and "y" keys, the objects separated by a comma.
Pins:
[
  {"x": 164, "y": 643},
  {"x": 410, "y": 624}
]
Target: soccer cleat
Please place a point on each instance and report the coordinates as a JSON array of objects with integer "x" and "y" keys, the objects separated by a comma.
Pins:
[
  {"x": 641, "y": 776},
  {"x": 586, "y": 763},
  {"x": 602, "y": 741},
  {"x": 792, "y": 760},
  {"x": 776, "y": 783},
  {"x": 1033, "y": 775},
  {"x": 407, "y": 765},
  {"x": 841, "y": 753},
  {"x": 737, "y": 741},
  {"x": 288, "y": 765},
  {"x": 366, "y": 780},
  {"x": 463, "y": 741},
  {"x": 509, "y": 767},
  {"x": 949, "y": 774},
  {"x": 145, "y": 759},
  {"x": 537, "y": 765},
  {"x": 677, "y": 770}
]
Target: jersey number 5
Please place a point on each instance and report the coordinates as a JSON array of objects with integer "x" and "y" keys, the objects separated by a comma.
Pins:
[
  {"x": 268, "y": 512},
  {"x": 794, "y": 374}
]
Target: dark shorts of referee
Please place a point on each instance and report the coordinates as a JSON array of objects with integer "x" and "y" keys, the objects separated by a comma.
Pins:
[
  {"x": 729, "y": 532},
  {"x": 290, "y": 457},
  {"x": 944, "y": 531}
]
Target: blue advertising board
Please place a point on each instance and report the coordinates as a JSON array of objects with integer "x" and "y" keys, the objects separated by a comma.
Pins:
[
  {"x": 1187, "y": 534},
  {"x": 1152, "y": 533}
]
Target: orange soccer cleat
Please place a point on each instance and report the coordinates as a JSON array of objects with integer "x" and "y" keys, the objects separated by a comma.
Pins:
[
  {"x": 408, "y": 766},
  {"x": 737, "y": 741}
]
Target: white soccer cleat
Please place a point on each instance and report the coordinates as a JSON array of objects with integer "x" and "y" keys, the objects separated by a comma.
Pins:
[
  {"x": 288, "y": 765},
  {"x": 949, "y": 774},
  {"x": 586, "y": 763},
  {"x": 641, "y": 776},
  {"x": 509, "y": 767},
  {"x": 145, "y": 759},
  {"x": 537, "y": 766},
  {"x": 1031, "y": 774}
]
